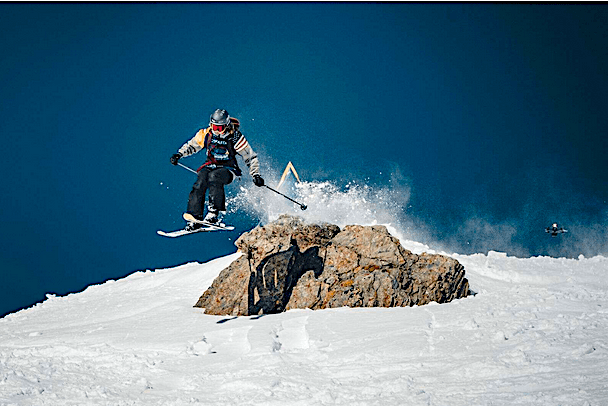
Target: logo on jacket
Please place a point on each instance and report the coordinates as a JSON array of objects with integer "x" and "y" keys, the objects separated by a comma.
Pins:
[{"x": 220, "y": 153}]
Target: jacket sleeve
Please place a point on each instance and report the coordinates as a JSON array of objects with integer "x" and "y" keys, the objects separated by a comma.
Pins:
[
  {"x": 243, "y": 148},
  {"x": 194, "y": 145}
]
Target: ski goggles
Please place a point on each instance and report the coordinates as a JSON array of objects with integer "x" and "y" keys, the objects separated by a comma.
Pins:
[{"x": 219, "y": 128}]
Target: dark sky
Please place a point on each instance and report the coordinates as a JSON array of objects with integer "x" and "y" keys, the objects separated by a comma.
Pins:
[{"x": 494, "y": 116}]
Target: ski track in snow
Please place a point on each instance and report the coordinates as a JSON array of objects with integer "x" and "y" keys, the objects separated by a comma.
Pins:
[{"x": 534, "y": 334}]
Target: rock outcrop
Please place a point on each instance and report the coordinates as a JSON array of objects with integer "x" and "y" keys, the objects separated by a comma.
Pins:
[{"x": 289, "y": 264}]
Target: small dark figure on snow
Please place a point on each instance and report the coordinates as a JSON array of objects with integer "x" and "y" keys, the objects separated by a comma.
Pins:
[
  {"x": 223, "y": 141},
  {"x": 554, "y": 230}
]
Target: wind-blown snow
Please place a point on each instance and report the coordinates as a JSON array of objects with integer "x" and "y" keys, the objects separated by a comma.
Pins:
[
  {"x": 351, "y": 203},
  {"x": 535, "y": 333}
]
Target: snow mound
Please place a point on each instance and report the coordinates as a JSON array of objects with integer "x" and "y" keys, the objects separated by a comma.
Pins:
[{"x": 534, "y": 333}]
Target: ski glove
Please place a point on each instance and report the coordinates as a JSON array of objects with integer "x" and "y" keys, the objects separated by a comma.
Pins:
[
  {"x": 258, "y": 181},
  {"x": 175, "y": 158}
]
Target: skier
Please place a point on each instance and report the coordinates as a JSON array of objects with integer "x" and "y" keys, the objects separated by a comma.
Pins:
[
  {"x": 554, "y": 230},
  {"x": 223, "y": 140}
]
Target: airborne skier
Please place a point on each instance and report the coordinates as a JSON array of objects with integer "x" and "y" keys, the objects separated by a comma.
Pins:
[
  {"x": 555, "y": 229},
  {"x": 223, "y": 140}
]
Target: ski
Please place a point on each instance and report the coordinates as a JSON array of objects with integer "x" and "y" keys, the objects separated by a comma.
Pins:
[
  {"x": 179, "y": 233},
  {"x": 220, "y": 226},
  {"x": 188, "y": 217}
]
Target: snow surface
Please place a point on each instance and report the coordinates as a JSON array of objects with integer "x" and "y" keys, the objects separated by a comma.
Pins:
[{"x": 534, "y": 334}]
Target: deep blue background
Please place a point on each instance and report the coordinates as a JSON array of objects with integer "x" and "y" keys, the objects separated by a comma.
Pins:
[{"x": 493, "y": 115}]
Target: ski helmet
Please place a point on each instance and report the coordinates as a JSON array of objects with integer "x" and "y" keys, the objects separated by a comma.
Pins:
[{"x": 220, "y": 117}]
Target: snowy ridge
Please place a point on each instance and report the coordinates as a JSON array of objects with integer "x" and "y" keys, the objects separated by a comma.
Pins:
[{"x": 535, "y": 333}]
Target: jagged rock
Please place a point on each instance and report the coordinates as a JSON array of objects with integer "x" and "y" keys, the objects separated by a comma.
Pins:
[{"x": 289, "y": 264}]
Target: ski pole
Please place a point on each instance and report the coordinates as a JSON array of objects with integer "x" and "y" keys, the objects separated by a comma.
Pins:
[
  {"x": 302, "y": 206},
  {"x": 188, "y": 168}
]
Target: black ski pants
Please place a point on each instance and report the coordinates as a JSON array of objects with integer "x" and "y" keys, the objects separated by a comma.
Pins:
[{"x": 214, "y": 180}]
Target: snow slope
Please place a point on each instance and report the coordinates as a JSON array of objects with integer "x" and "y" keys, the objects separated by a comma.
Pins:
[{"x": 534, "y": 334}]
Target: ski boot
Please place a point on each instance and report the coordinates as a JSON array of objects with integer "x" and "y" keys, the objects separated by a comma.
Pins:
[{"x": 214, "y": 217}]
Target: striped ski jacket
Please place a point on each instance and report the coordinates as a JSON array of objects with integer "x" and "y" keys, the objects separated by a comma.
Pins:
[{"x": 222, "y": 149}]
